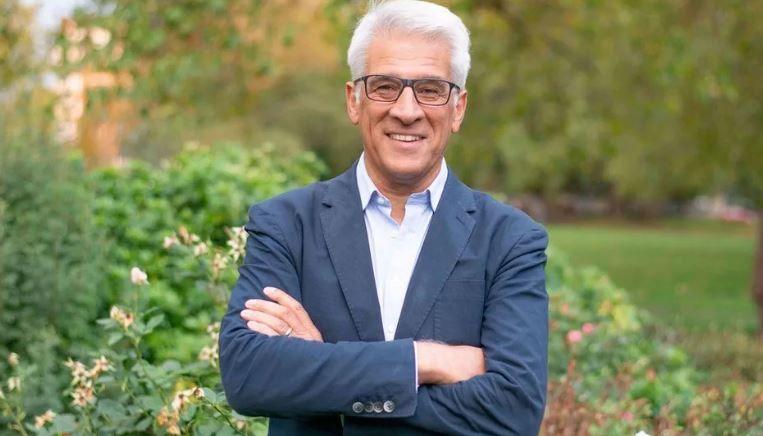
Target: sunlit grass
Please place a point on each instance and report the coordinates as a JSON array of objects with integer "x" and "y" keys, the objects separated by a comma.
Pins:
[
  {"x": 693, "y": 275},
  {"x": 690, "y": 274}
]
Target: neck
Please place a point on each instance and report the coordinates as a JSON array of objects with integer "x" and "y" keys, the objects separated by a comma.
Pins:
[{"x": 398, "y": 191}]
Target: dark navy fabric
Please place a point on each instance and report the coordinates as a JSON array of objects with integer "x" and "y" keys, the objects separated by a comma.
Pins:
[{"x": 479, "y": 280}]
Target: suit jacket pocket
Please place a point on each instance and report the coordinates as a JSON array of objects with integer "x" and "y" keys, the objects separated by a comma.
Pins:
[{"x": 458, "y": 312}]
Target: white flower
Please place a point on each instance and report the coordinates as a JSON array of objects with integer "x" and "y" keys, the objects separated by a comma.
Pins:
[
  {"x": 74, "y": 83},
  {"x": 169, "y": 241},
  {"x": 73, "y": 33},
  {"x": 214, "y": 329},
  {"x": 218, "y": 264},
  {"x": 199, "y": 249},
  {"x": 40, "y": 421},
  {"x": 237, "y": 242},
  {"x": 80, "y": 374},
  {"x": 209, "y": 354},
  {"x": 56, "y": 55},
  {"x": 100, "y": 365},
  {"x": 124, "y": 319},
  {"x": 74, "y": 54},
  {"x": 78, "y": 35},
  {"x": 99, "y": 36},
  {"x": 138, "y": 276},
  {"x": 187, "y": 237},
  {"x": 642, "y": 433},
  {"x": 82, "y": 396},
  {"x": 14, "y": 384},
  {"x": 181, "y": 397},
  {"x": 13, "y": 359}
]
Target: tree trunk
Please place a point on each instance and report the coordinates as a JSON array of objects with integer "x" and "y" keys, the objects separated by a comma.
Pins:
[{"x": 757, "y": 275}]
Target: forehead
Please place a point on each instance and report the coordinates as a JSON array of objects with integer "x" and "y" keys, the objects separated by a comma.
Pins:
[{"x": 408, "y": 55}]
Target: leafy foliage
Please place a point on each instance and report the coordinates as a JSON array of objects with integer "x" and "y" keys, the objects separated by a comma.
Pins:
[
  {"x": 203, "y": 190},
  {"x": 50, "y": 262},
  {"x": 123, "y": 392},
  {"x": 181, "y": 55},
  {"x": 16, "y": 43}
]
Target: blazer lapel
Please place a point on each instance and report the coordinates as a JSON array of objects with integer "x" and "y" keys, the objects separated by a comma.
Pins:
[
  {"x": 448, "y": 233},
  {"x": 344, "y": 230}
]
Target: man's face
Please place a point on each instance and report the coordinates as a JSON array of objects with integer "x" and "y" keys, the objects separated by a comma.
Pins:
[{"x": 404, "y": 141}]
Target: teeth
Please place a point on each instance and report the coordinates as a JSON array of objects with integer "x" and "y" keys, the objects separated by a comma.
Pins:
[{"x": 405, "y": 138}]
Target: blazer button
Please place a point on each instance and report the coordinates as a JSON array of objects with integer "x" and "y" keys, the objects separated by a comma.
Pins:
[
  {"x": 389, "y": 406},
  {"x": 357, "y": 407},
  {"x": 378, "y": 408},
  {"x": 369, "y": 407}
]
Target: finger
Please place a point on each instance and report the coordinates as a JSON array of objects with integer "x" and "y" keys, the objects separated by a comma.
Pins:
[
  {"x": 269, "y": 320},
  {"x": 261, "y": 328},
  {"x": 274, "y": 309},
  {"x": 295, "y": 306}
]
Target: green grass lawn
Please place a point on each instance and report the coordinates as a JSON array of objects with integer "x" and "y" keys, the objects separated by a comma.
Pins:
[{"x": 691, "y": 274}]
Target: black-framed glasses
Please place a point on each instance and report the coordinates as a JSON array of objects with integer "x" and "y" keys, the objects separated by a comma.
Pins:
[{"x": 429, "y": 92}]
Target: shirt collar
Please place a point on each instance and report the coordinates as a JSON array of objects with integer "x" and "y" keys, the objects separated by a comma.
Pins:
[{"x": 367, "y": 188}]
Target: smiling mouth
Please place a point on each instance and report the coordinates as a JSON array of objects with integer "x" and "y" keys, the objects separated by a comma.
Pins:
[{"x": 405, "y": 138}]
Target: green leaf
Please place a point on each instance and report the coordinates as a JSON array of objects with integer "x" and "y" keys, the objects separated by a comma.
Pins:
[
  {"x": 64, "y": 424},
  {"x": 115, "y": 337},
  {"x": 153, "y": 323},
  {"x": 113, "y": 410},
  {"x": 210, "y": 395},
  {"x": 150, "y": 402},
  {"x": 144, "y": 423},
  {"x": 209, "y": 428}
]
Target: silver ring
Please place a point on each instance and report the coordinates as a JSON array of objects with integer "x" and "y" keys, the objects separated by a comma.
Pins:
[{"x": 288, "y": 332}]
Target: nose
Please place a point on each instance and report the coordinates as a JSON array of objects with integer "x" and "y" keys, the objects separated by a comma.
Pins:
[{"x": 406, "y": 108}]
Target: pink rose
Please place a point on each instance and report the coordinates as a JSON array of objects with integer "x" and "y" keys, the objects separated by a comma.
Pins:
[
  {"x": 588, "y": 328},
  {"x": 574, "y": 336}
]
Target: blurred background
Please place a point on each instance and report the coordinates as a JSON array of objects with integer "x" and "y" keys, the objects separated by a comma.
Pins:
[{"x": 632, "y": 129}]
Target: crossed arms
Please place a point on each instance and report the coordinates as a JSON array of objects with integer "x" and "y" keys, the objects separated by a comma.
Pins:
[{"x": 265, "y": 373}]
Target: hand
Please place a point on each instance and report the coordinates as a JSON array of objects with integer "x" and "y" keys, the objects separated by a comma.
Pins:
[
  {"x": 445, "y": 364},
  {"x": 284, "y": 315}
]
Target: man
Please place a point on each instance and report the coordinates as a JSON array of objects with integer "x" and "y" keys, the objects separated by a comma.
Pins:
[{"x": 392, "y": 299}]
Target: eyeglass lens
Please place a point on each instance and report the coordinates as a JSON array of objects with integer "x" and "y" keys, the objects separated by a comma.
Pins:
[{"x": 427, "y": 91}]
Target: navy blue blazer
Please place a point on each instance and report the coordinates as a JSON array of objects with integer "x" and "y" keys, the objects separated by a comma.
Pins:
[{"x": 479, "y": 281}]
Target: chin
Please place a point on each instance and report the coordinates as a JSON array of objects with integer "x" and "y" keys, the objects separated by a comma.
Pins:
[{"x": 406, "y": 169}]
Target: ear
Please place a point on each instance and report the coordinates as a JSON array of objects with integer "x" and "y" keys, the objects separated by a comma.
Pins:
[
  {"x": 460, "y": 112},
  {"x": 353, "y": 106}
]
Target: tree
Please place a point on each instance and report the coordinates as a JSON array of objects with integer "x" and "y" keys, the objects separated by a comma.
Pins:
[
  {"x": 645, "y": 102},
  {"x": 16, "y": 42},
  {"x": 738, "y": 116}
]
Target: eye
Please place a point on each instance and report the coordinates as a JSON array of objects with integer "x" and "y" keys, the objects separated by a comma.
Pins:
[
  {"x": 428, "y": 90},
  {"x": 431, "y": 88}
]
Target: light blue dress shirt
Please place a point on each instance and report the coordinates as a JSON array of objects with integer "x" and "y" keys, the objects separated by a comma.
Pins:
[{"x": 395, "y": 247}]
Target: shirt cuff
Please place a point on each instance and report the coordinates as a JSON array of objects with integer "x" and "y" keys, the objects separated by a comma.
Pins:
[{"x": 416, "y": 365}]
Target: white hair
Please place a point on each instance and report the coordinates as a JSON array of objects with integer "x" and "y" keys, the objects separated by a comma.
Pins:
[{"x": 415, "y": 17}]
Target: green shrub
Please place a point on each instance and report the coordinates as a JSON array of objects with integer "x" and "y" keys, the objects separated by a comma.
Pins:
[
  {"x": 594, "y": 324},
  {"x": 50, "y": 259},
  {"x": 118, "y": 390},
  {"x": 202, "y": 190}
]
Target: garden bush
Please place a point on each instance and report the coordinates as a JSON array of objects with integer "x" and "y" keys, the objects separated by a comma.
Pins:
[
  {"x": 144, "y": 208},
  {"x": 50, "y": 260},
  {"x": 607, "y": 376}
]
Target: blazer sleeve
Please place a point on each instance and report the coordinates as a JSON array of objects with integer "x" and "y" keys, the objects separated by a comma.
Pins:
[
  {"x": 510, "y": 397},
  {"x": 291, "y": 377}
]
